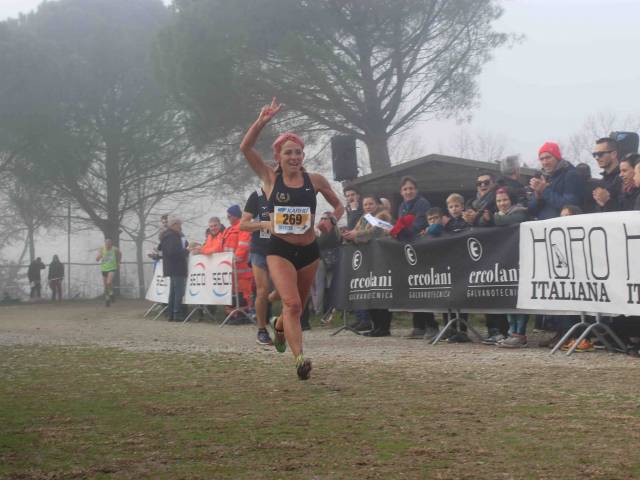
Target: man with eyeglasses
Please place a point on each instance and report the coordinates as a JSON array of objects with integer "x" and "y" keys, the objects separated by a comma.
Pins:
[
  {"x": 559, "y": 185},
  {"x": 606, "y": 194},
  {"x": 485, "y": 199}
]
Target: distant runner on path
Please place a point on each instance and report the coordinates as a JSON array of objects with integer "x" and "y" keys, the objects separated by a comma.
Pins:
[{"x": 109, "y": 258}]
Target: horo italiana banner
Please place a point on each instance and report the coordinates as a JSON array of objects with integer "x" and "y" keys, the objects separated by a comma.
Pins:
[
  {"x": 586, "y": 263},
  {"x": 209, "y": 281}
]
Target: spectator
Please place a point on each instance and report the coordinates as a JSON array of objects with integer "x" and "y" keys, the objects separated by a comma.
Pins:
[
  {"x": 562, "y": 323},
  {"x": 238, "y": 242},
  {"x": 588, "y": 204},
  {"x": 455, "y": 206},
  {"x": 569, "y": 210},
  {"x": 174, "y": 255},
  {"x": 329, "y": 240},
  {"x": 56, "y": 275},
  {"x": 510, "y": 179},
  {"x": 353, "y": 207},
  {"x": 33, "y": 274},
  {"x": 636, "y": 180},
  {"x": 213, "y": 240},
  {"x": 629, "y": 193},
  {"x": 412, "y": 214},
  {"x": 435, "y": 219},
  {"x": 438, "y": 224},
  {"x": 412, "y": 219},
  {"x": 559, "y": 185},
  {"x": 155, "y": 252},
  {"x": 363, "y": 232},
  {"x": 607, "y": 193},
  {"x": 386, "y": 204},
  {"x": 485, "y": 200},
  {"x": 511, "y": 213},
  {"x": 256, "y": 220}
]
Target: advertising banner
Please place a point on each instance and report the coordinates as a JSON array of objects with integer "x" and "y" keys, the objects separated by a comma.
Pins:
[
  {"x": 158, "y": 291},
  {"x": 210, "y": 280},
  {"x": 473, "y": 269},
  {"x": 585, "y": 263}
]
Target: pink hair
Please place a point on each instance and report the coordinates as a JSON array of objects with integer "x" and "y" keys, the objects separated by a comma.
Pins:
[{"x": 284, "y": 137}]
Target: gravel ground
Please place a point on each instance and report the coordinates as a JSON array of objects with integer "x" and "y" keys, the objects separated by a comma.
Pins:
[{"x": 123, "y": 326}]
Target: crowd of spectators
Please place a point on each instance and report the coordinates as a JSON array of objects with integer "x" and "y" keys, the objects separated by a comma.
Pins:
[{"x": 558, "y": 189}]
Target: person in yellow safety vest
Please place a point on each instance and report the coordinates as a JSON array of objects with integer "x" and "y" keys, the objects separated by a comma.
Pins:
[{"x": 236, "y": 241}]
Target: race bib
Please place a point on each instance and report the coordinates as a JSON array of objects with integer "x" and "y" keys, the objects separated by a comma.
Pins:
[{"x": 296, "y": 220}]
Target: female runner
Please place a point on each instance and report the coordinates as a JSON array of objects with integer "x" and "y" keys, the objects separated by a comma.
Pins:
[{"x": 292, "y": 254}]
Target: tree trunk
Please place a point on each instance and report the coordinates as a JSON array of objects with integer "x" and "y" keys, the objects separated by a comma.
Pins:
[
  {"x": 31, "y": 242},
  {"x": 140, "y": 264},
  {"x": 378, "y": 152}
]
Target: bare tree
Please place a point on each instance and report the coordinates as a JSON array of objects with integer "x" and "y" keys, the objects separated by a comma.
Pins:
[
  {"x": 475, "y": 145},
  {"x": 579, "y": 146}
]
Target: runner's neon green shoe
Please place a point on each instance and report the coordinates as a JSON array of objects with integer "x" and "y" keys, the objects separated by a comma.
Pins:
[
  {"x": 279, "y": 340},
  {"x": 303, "y": 367}
]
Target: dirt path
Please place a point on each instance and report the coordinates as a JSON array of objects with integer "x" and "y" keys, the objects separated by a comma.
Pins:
[{"x": 122, "y": 326}]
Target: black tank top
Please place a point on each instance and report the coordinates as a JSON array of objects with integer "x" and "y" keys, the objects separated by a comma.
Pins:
[{"x": 281, "y": 195}]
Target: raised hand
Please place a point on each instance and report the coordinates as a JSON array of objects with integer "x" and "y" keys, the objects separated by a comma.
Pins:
[{"x": 269, "y": 111}]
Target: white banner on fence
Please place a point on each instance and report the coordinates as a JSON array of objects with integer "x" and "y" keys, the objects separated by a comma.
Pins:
[
  {"x": 210, "y": 280},
  {"x": 585, "y": 263},
  {"x": 158, "y": 291}
]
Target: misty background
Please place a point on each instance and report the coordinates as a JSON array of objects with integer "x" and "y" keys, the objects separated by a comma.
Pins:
[{"x": 568, "y": 74}]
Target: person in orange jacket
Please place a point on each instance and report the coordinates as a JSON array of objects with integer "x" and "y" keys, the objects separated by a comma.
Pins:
[
  {"x": 213, "y": 242},
  {"x": 237, "y": 241}
]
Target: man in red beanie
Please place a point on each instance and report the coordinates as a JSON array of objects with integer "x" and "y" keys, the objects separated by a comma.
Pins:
[{"x": 559, "y": 184}]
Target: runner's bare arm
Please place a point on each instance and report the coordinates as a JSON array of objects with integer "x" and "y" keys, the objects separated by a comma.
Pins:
[
  {"x": 248, "y": 225},
  {"x": 247, "y": 147},
  {"x": 321, "y": 184}
]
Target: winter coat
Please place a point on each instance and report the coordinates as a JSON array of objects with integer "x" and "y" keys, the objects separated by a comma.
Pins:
[
  {"x": 174, "y": 254},
  {"x": 564, "y": 187},
  {"x": 417, "y": 207}
]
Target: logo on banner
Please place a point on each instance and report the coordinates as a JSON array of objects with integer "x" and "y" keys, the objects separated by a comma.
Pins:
[
  {"x": 222, "y": 281},
  {"x": 356, "y": 261},
  {"x": 570, "y": 263},
  {"x": 475, "y": 248},
  {"x": 161, "y": 284},
  {"x": 410, "y": 255},
  {"x": 197, "y": 279}
]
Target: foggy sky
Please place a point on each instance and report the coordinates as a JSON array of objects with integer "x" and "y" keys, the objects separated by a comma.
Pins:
[{"x": 578, "y": 58}]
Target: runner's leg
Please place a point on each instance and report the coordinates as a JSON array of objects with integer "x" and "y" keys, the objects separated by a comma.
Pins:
[
  {"x": 285, "y": 279},
  {"x": 261, "y": 278}
]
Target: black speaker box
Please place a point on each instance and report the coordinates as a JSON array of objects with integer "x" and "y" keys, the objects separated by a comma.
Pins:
[
  {"x": 344, "y": 158},
  {"x": 627, "y": 142}
]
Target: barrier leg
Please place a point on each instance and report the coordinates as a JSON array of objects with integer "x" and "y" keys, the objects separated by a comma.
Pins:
[
  {"x": 607, "y": 329},
  {"x": 150, "y": 309},
  {"x": 580, "y": 338},
  {"x": 160, "y": 312},
  {"x": 452, "y": 319},
  {"x": 566, "y": 336},
  {"x": 191, "y": 313},
  {"x": 345, "y": 326}
]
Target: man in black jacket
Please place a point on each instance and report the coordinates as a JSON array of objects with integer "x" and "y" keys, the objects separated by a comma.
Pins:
[
  {"x": 33, "y": 274},
  {"x": 607, "y": 194},
  {"x": 174, "y": 264}
]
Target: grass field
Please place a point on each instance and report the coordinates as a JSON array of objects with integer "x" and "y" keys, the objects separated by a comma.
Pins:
[{"x": 88, "y": 412}]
